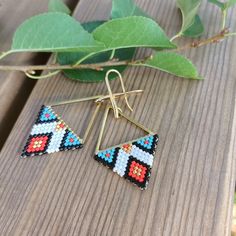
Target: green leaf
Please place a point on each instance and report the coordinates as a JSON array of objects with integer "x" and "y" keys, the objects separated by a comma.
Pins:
[
  {"x": 87, "y": 75},
  {"x": 124, "y": 8},
  {"x": 92, "y": 75},
  {"x": 221, "y": 5},
  {"x": 173, "y": 63},
  {"x": 224, "y": 6},
  {"x": 133, "y": 31},
  {"x": 53, "y": 32},
  {"x": 189, "y": 9},
  {"x": 120, "y": 53},
  {"x": 196, "y": 29},
  {"x": 230, "y": 3},
  {"x": 58, "y": 6},
  {"x": 91, "y": 26}
]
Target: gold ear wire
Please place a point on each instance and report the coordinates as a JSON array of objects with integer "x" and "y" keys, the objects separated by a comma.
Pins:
[
  {"x": 105, "y": 115},
  {"x": 108, "y": 107},
  {"x": 116, "y": 109},
  {"x": 91, "y": 122},
  {"x": 96, "y": 98}
]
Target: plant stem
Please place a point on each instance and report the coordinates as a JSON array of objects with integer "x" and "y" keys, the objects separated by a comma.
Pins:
[
  {"x": 84, "y": 58},
  {"x": 4, "y": 54},
  {"x": 30, "y": 75},
  {"x": 214, "y": 39},
  {"x": 95, "y": 66},
  {"x": 29, "y": 70},
  {"x": 112, "y": 54},
  {"x": 224, "y": 15},
  {"x": 230, "y": 34},
  {"x": 175, "y": 37}
]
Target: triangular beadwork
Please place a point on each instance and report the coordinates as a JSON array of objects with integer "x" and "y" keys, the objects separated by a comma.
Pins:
[
  {"x": 132, "y": 160},
  {"x": 45, "y": 115},
  {"x": 147, "y": 143},
  {"x": 70, "y": 141},
  {"x": 50, "y": 134}
]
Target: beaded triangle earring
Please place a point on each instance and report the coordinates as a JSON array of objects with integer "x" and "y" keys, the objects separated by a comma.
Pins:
[
  {"x": 51, "y": 134},
  {"x": 131, "y": 160}
]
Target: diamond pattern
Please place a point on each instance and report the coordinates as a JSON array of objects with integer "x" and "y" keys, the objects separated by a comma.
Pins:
[
  {"x": 137, "y": 172},
  {"x": 50, "y": 134},
  {"x": 133, "y": 160},
  {"x": 38, "y": 144}
]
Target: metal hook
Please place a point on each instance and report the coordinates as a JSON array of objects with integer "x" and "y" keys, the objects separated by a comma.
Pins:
[{"x": 111, "y": 95}]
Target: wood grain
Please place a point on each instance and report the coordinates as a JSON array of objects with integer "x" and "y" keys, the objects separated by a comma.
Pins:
[
  {"x": 15, "y": 87},
  {"x": 192, "y": 182}
]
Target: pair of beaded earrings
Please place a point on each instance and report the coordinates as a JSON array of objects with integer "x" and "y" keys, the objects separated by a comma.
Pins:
[{"x": 132, "y": 160}]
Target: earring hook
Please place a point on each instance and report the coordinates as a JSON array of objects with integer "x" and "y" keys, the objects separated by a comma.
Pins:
[{"x": 112, "y": 97}]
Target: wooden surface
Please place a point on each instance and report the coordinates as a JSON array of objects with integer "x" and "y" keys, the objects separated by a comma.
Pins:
[
  {"x": 15, "y": 87},
  {"x": 192, "y": 183}
]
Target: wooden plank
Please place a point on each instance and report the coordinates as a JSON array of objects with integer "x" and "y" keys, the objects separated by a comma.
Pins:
[
  {"x": 15, "y": 87},
  {"x": 192, "y": 183}
]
